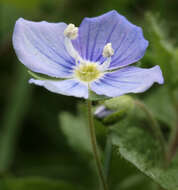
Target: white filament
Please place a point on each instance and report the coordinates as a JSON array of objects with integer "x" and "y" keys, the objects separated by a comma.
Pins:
[
  {"x": 71, "y": 50},
  {"x": 70, "y": 33}
]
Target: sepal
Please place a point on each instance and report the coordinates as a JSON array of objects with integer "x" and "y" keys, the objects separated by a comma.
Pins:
[
  {"x": 95, "y": 97},
  {"x": 39, "y": 76}
]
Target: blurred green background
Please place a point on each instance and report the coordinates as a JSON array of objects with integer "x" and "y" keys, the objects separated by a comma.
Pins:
[{"x": 32, "y": 143}]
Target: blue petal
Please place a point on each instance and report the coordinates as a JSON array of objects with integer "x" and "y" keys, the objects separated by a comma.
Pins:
[
  {"x": 127, "y": 39},
  {"x": 40, "y": 47},
  {"x": 69, "y": 87},
  {"x": 127, "y": 80}
]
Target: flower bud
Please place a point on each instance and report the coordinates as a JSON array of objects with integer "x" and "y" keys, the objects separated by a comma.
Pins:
[
  {"x": 114, "y": 109},
  {"x": 102, "y": 112}
]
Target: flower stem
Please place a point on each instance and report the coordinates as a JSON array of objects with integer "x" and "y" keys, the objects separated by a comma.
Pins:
[
  {"x": 155, "y": 126},
  {"x": 173, "y": 142},
  {"x": 94, "y": 146},
  {"x": 108, "y": 155}
]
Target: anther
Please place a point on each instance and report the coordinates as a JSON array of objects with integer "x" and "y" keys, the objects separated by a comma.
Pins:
[
  {"x": 108, "y": 50},
  {"x": 107, "y": 53},
  {"x": 71, "y": 32}
]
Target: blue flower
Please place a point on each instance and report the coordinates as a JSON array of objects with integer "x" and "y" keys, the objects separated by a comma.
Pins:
[{"x": 95, "y": 56}]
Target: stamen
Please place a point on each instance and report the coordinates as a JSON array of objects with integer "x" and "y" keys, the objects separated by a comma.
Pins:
[
  {"x": 71, "y": 32},
  {"x": 70, "y": 49},
  {"x": 108, "y": 50},
  {"x": 106, "y": 64},
  {"x": 107, "y": 53},
  {"x": 85, "y": 70}
]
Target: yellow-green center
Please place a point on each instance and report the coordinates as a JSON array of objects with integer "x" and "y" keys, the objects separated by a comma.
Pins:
[{"x": 87, "y": 72}]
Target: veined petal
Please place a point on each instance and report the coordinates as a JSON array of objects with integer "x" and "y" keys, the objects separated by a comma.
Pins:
[
  {"x": 127, "y": 80},
  {"x": 69, "y": 87},
  {"x": 40, "y": 47},
  {"x": 127, "y": 39}
]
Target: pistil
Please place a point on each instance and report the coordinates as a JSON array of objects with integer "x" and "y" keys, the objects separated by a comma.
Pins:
[{"x": 87, "y": 72}]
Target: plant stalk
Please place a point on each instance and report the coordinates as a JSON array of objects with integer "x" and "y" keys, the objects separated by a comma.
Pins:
[
  {"x": 108, "y": 155},
  {"x": 173, "y": 142},
  {"x": 94, "y": 146},
  {"x": 155, "y": 127}
]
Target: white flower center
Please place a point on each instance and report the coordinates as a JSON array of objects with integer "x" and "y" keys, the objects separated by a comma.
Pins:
[{"x": 85, "y": 70}]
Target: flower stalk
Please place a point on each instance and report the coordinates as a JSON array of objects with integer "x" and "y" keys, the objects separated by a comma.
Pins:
[
  {"x": 155, "y": 126},
  {"x": 94, "y": 146},
  {"x": 173, "y": 142},
  {"x": 108, "y": 156}
]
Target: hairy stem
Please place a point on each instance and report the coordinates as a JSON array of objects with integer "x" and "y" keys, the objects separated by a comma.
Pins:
[
  {"x": 155, "y": 127},
  {"x": 173, "y": 143},
  {"x": 94, "y": 146},
  {"x": 108, "y": 155}
]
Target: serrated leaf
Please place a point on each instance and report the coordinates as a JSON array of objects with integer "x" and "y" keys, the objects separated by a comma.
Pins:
[
  {"x": 32, "y": 183},
  {"x": 140, "y": 148}
]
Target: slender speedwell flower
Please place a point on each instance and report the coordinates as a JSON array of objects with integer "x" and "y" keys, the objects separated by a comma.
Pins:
[{"x": 96, "y": 56}]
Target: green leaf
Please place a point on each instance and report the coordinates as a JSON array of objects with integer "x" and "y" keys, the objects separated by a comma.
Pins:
[
  {"x": 161, "y": 105},
  {"x": 16, "y": 109},
  {"x": 135, "y": 182},
  {"x": 75, "y": 128},
  {"x": 158, "y": 37},
  {"x": 32, "y": 183},
  {"x": 163, "y": 51},
  {"x": 175, "y": 68},
  {"x": 140, "y": 148}
]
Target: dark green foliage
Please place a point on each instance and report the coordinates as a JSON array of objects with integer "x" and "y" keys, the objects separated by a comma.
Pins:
[
  {"x": 140, "y": 148},
  {"x": 35, "y": 183}
]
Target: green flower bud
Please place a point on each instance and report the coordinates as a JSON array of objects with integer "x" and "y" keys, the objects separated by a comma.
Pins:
[{"x": 114, "y": 109}]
